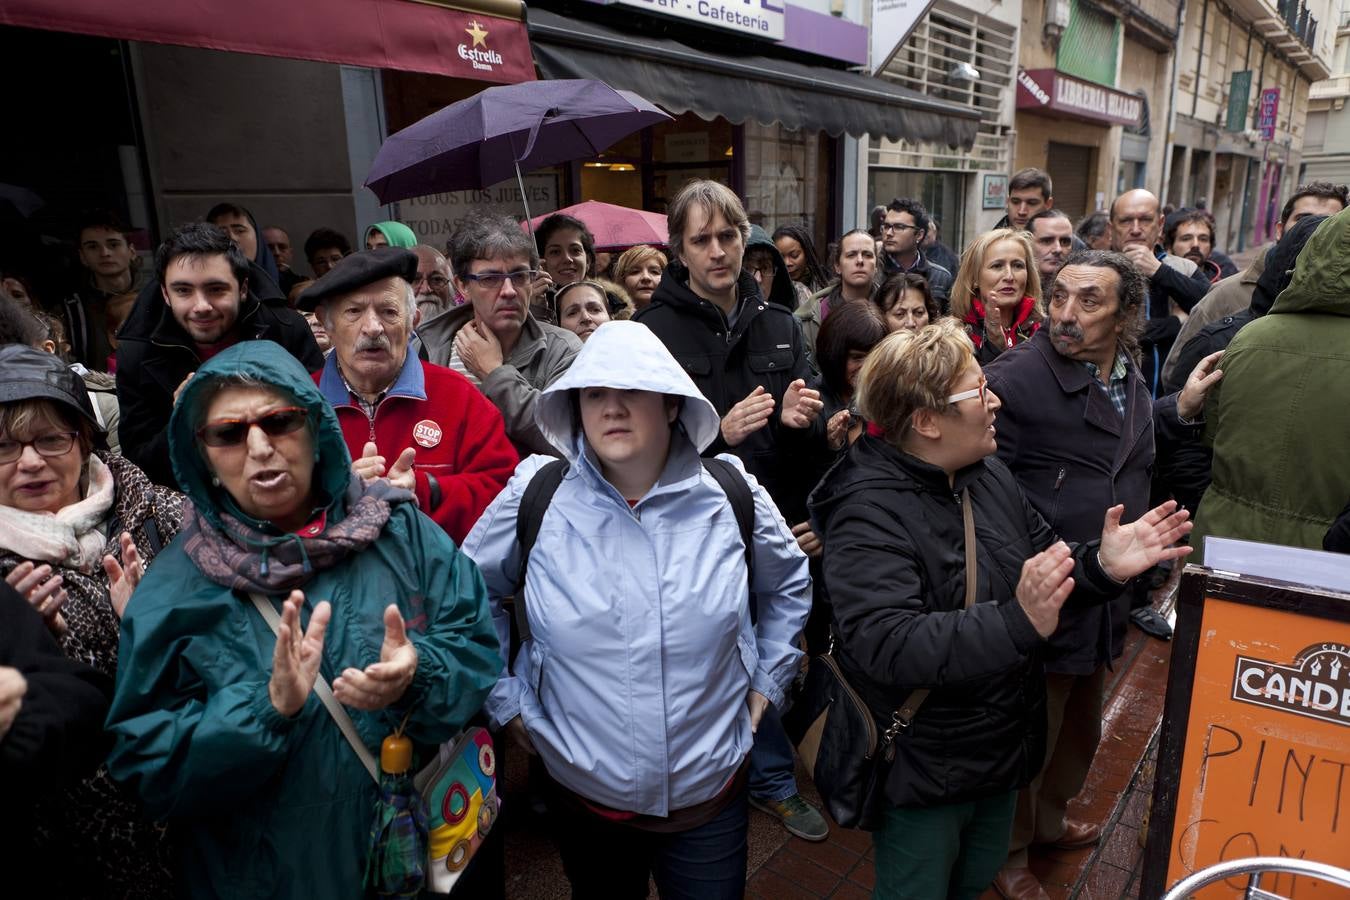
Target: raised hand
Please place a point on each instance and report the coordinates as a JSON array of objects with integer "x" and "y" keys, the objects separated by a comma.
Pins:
[
  {"x": 1129, "y": 550},
  {"x": 993, "y": 327},
  {"x": 123, "y": 578},
  {"x": 402, "y": 474},
  {"x": 371, "y": 464},
  {"x": 1191, "y": 400},
  {"x": 1044, "y": 586},
  {"x": 747, "y": 417},
  {"x": 801, "y": 405},
  {"x": 382, "y": 683},
  {"x": 295, "y": 662}
]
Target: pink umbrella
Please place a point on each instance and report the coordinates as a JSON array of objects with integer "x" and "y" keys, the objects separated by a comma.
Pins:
[{"x": 616, "y": 227}]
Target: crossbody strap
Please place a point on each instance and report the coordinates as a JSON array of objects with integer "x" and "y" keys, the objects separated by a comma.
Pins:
[
  {"x": 325, "y": 694},
  {"x": 905, "y": 714}
]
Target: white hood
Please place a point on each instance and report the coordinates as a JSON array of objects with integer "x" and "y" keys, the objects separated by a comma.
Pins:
[{"x": 628, "y": 356}]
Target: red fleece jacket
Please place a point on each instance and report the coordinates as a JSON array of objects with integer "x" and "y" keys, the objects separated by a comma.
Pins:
[{"x": 464, "y": 458}]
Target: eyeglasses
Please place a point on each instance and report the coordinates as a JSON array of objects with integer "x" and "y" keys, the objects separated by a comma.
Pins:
[
  {"x": 435, "y": 282},
  {"x": 55, "y": 444},
  {"x": 761, "y": 272},
  {"x": 232, "y": 432},
  {"x": 898, "y": 226},
  {"x": 495, "y": 280},
  {"x": 973, "y": 392}
]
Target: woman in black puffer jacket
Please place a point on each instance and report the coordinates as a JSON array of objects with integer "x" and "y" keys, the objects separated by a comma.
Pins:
[{"x": 891, "y": 519}]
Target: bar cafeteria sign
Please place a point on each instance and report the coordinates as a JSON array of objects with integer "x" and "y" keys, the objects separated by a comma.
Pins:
[{"x": 1051, "y": 91}]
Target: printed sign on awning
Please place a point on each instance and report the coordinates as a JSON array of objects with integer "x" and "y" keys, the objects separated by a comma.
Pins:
[
  {"x": 1051, "y": 92},
  {"x": 381, "y": 34}
]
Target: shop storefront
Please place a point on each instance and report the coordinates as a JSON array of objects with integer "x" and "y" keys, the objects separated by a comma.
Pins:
[
  {"x": 770, "y": 118},
  {"x": 158, "y": 111},
  {"x": 1071, "y": 128}
]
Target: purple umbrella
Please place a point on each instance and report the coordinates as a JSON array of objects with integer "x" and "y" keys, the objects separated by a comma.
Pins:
[{"x": 483, "y": 139}]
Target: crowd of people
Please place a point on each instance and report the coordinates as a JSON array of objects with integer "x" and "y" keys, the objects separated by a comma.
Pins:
[{"x": 610, "y": 507}]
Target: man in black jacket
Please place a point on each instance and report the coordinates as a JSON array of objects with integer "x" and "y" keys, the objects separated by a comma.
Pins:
[
  {"x": 1076, "y": 429},
  {"x": 902, "y": 234},
  {"x": 1174, "y": 284},
  {"x": 748, "y": 357},
  {"x": 199, "y": 305}
]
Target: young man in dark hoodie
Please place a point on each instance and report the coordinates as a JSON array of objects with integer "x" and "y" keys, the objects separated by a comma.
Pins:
[
  {"x": 748, "y": 357},
  {"x": 201, "y": 304}
]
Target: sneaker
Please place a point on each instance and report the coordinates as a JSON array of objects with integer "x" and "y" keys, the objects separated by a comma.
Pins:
[
  {"x": 1151, "y": 622},
  {"x": 798, "y": 817}
]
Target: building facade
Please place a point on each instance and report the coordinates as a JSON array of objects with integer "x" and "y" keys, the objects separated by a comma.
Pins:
[
  {"x": 1244, "y": 73},
  {"x": 1326, "y": 145},
  {"x": 966, "y": 54},
  {"x": 1093, "y": 96}
]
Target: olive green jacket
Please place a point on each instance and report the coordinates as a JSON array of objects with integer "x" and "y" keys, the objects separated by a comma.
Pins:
[{"x": 1279, "y": 420}]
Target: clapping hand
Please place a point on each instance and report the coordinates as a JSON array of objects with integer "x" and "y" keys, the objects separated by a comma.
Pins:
[
  {"x": 1128, "y": 550},
  {"x": 801, "y": 405},
  {"x": 836, "y": 429},
  {"x": 42, "y": 590},
  {"x": 123, "y": 577},
  {"x": 370, "y": 465},
  {"x": 383, "y": 683},
  {"x": 1044, "y": 586},
  {"x": 747, "y": 417},
  {"x": 295, "y": 662}
]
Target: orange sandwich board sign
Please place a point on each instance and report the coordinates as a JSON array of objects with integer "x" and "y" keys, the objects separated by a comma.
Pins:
[{"x": 1254, "y": 758}]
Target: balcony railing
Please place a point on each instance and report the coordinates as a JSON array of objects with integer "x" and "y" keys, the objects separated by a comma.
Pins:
[{"x": 1300, "y": 20}]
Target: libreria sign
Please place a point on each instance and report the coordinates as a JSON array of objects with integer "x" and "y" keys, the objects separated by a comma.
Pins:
[{"x": 759, "y": 18}]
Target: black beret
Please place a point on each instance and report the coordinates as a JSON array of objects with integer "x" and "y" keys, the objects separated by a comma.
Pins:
[{"x": 358, "y": 270}]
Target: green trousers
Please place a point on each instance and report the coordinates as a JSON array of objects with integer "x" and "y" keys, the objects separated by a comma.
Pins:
[{"x": 952, "y": 851}]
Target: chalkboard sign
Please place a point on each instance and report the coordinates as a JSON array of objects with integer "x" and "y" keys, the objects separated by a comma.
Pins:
[{"x": 1254, "y": 757}]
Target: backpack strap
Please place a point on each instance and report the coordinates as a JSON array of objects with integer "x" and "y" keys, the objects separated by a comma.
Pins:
[
  {"x": 742, "y": 501},
  {"x": 533, "y": 504},
  {"x": 539, "y": 493}
]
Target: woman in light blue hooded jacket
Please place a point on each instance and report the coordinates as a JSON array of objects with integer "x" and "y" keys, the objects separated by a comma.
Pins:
[{"x": 643, "y": 677}]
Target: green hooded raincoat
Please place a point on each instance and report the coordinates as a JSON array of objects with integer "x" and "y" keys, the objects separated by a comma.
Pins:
[
  {"x": 1278, "y": 420},
  {"x": 263, "y": 805}
]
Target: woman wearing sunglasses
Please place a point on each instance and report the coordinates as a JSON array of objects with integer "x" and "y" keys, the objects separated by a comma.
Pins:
[
  {"x": 216, "y": 721},
  {"x": 893, "y": 516},
  {"x": 78, "y": 525}
]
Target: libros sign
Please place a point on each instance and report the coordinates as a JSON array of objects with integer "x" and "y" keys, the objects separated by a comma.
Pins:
[
  {"x": 757, "y": 18},
  {"x": 1052, "y": 92}
]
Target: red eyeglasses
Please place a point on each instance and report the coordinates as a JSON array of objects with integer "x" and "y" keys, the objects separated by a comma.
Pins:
[{"x": 232, "y": 432}]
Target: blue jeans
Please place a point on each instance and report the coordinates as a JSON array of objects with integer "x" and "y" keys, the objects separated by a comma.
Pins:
[
  {"x": 612, "y": 861},
  {"x": 771, "y": 777}
]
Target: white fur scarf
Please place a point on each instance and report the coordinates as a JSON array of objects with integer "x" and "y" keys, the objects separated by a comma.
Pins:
[{"x": 68, "y": 538}]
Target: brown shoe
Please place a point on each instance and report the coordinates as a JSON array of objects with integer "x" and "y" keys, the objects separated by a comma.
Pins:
[
  {"x": 1019, "y": 884},
  {"x": 1078, "y": 835}
]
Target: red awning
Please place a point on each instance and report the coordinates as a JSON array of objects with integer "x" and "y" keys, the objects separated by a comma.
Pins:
[{"x": 487, "y": 45}]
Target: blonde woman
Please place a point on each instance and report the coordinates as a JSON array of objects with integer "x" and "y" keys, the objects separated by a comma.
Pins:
[
  {"x": 639, "y": 270},
  {"x": 997, "y": 292}
]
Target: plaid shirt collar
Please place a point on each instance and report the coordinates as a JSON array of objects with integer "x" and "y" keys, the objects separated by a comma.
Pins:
[
  {"x": 1117, "y": 386},
  {"x": 360, "y": 401}
]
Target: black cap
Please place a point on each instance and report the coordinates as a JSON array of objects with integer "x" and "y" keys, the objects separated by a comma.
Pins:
[
  {"x": 358, "y": 270},
  {"x": 33, "y": 375}
]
